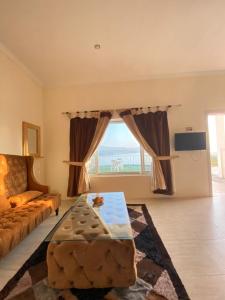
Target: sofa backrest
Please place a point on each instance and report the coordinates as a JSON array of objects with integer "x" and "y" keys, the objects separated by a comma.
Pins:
[{"x": 13, "y": 175}]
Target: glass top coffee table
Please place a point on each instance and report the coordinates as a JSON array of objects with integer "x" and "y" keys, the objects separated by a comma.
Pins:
[
  {"x": 84, "y": 221},
  {"x": 92, "y": 247}
]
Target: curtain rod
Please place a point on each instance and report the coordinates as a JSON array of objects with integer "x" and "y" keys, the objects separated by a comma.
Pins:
[{"x": 115, "y": 109}]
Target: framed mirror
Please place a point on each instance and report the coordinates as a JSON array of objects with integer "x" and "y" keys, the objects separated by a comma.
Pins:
[{"x": 31, "y": 139}]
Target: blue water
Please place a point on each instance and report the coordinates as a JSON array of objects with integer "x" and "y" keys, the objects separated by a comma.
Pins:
[{"x": 125, "y": 159}]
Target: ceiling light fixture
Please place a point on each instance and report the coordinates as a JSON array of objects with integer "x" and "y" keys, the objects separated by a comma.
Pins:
[{"x": 97, "y": 46}]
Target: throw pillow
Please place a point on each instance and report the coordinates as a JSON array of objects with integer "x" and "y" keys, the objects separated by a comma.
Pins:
[
  {"x": 23, "y": 198},
  {"x": 4, "y": 203}
]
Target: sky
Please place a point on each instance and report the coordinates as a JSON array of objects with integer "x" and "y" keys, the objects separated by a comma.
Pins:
[{"x": 118, "y": 135}]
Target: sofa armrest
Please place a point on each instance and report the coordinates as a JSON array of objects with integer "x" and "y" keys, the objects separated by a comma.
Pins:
[{"x": 33, "y": 185}]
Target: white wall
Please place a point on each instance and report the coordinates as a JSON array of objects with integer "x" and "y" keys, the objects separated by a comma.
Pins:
[
  {"x": 21, "y": 99},
  {"x": 196, "y": 94}
]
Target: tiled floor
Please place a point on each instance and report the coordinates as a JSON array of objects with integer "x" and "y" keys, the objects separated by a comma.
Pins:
[
  {"x": 193, "y": 231},
  {"x": 218, "y": 186}
]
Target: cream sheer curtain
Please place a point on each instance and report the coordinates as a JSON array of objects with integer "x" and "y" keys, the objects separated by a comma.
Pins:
[
  {"x": 84, "y": 181},
  {"x": 158, "y": 181}
]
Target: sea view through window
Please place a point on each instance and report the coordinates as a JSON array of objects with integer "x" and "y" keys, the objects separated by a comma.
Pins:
[{"x": 119, "y": 152}]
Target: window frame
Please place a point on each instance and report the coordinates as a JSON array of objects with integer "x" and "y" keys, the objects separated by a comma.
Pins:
[{"x": 142, "y": 160}]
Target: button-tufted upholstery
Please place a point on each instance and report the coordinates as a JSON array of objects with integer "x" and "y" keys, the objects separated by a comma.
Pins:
[
  {"x": 13, "y": 175},
  {"x": 87, "y": 252},
  {"x": 17, "y": 178},
  {"x": 17, "y": 223},
  {"x": 88, "y": 264}
]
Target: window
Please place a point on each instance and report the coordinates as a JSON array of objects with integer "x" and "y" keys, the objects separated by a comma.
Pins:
[{"x": 119, "y": 152}]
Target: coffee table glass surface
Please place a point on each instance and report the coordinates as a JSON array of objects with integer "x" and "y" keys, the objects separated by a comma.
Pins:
[{"x": 84, "y": 221}]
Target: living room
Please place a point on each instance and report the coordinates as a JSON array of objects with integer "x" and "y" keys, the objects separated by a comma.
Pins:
[{"x": 60, "y": 58}]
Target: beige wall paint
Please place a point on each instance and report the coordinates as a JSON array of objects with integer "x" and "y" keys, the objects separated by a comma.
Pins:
[
  {"x": 21, "y": 99},
  {"x": 196, "y": 94}
]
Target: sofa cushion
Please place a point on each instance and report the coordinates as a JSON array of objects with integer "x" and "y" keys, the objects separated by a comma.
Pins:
[
  {"x": 13, "y": 175},
  {"x": 16, "y": 223},
  {"x": 23, "y": 198},
  {"x": 4, "y": 203}
]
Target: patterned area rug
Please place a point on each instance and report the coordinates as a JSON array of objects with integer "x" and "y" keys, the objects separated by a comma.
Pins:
[{"x": 157, "y": 277}]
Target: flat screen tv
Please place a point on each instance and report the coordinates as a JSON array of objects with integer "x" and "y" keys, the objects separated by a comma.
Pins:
[{"x": 188, "y": 141}]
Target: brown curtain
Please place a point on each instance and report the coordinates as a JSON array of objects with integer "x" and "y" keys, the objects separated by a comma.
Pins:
[
  {"x": 152, "y": 131},
  {"x": 85, "y": 135}
]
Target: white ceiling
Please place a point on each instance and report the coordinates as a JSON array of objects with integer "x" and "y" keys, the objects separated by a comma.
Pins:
[{"x": 139, "y": 39}]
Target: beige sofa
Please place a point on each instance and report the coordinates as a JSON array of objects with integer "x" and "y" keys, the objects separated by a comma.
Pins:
[{"x": 24, "y": 203}]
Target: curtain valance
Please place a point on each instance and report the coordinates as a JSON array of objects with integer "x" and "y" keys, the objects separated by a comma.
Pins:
[{"x": 89, "y": 114}]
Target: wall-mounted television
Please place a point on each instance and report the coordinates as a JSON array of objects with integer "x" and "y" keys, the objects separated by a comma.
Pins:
[{"x": 188, "y": 141}]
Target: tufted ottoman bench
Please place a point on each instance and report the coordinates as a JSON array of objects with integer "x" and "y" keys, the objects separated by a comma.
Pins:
[{"x": 92, "y": 247}]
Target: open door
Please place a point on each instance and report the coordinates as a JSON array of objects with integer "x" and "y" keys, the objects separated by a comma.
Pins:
[{"x": 216, "y": 126}]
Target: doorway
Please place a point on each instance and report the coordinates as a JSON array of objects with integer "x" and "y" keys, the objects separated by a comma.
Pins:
[{"x": 216, "y": 129}]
